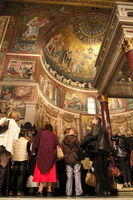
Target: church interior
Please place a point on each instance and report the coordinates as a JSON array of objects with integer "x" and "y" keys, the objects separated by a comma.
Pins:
[{"x": 42, "y": 83}]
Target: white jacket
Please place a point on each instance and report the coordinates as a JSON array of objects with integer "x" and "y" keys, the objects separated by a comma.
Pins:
[{"x": 11, "y": 135}]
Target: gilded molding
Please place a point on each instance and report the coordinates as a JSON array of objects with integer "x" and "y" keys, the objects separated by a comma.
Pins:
[
  {"x": 127, "y": 44},
  {"x": 103, "y": 98},
  {"x": 86, "y": 3}
]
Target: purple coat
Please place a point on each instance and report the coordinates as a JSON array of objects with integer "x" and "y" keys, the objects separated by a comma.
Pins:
[{"x": 45, "y": 146}]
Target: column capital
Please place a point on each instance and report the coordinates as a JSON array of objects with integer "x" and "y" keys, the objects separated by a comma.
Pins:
[
  {"x": 102, "y": 98},
  {"x": 127, "y": 44}
]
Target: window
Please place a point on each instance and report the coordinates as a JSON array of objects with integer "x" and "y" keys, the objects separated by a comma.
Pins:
[{"x": 91, "y": 105}]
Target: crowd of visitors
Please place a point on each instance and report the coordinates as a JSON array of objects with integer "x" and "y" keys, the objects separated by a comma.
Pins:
[{"x": 29, "y": 162}]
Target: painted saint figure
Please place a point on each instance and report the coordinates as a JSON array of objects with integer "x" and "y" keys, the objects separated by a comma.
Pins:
[{"x": 33, "y": 29}]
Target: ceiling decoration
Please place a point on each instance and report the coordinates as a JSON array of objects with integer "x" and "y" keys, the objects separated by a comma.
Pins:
[
  {"x": 88, "y": 3},
  {"x": 69, "y": 38},
  {"x": 92, "y": 29},
  {"x": 71, "y": 47}
]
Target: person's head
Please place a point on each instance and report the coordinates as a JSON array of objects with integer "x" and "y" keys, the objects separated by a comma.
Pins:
[
  {"x": 96, "y": 121},
  {"x": 48, "y": 127},
  {"x": 128, "y": 132},
  {"x": 22, "y": 134},
  {"x": 72, "y": 131},
  {"x": 14, "y": 115},
  {"x": 119, "y": 133},
  {"x": 66, "y": 131}
]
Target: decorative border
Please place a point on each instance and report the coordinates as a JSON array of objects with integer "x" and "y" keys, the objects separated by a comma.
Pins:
[{"x": 87, "y": 3}]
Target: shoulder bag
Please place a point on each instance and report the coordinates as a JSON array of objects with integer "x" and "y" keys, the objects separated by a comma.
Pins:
[{"x": 79, "y": 153}]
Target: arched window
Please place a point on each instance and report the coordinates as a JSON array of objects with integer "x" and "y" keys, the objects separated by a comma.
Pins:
[{"x": 91, "y": 105}]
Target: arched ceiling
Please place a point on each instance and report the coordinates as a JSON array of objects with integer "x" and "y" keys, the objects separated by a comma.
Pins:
[
  {"x": 71, "y": 47},
  {"x": 70, "y": 36}
]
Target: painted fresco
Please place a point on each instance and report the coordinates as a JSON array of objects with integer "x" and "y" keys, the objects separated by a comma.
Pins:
[
  {"x": 130, "y": 104},
  {"x": 30, "y": 20},
  {"x": 70, "y": 44},
  {"x": 76, "y": 101},
  {"x": 4, "y": 21},
  {"x": 6, "y": 107},
  {"x": 20, "y": 70},
  {"x": 124, "y": 75},
  {"x": 77, "y": 59},
  {"x": 50, "y": 90},
  {"x": 122, "y": 123},
  {"x": 26, "y": 93},
  {"x": 115, "y": 105},
  {"x": 6, "y": 33},
  {"x": 27, "y": 41},
  {"x": 59, "y": 119},
  {"x": 1, "y": 63},
  {"x": 75, "y": 46},
  {"x": 33, "y": 26},
  {"x": 69, "y": 81}
]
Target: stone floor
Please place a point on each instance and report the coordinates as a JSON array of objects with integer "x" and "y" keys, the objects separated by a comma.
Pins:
[
  {"x": 122, "y": 194},
  {"x": 79, "y": 198}
]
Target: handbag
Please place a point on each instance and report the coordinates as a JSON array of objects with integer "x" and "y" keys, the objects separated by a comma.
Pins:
[
  {"x": 78, "y": 154},
  {"x": 113, "y": 169},
  {"x": 60, "y": 154},
  {"x": 90, "y": 179}
]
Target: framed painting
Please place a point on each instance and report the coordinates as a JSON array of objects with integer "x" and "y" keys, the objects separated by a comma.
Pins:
[
  {"x": 20, "y": 70},
  {"x": 25, "y": 93}
]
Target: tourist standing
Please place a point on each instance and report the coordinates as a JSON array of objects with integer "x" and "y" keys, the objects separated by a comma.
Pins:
[
  {"x": 98, "y": 146},
  {"x": 45, "y": 148},
  {"x": 73, "y": 167}
]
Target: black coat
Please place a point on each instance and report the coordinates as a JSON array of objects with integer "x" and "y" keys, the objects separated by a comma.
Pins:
[
  {"x": 121, "y": 147},
  {"x": 97, "y": 139},
  {"x": 129, "y": 142}
]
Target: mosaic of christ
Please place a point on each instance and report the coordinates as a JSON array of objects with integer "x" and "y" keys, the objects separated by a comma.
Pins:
[{"x": 73, "y": 56}]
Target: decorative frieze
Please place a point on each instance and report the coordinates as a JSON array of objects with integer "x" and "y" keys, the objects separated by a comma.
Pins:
[{"x": 97, "y": 3}]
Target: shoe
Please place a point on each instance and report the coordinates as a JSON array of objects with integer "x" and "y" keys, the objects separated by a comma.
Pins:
[
  {"x": 107, "y": 193},
  {"x": 125, "y": 186},
  {"x": 80, "y": 195},
  {"x": 39, "y": 194},
  {"x": 69, "y": 196},
  {"x": 49, "y": 194},
  {"x": 20, "y": 194},
  {"x": 11, "y": 193},
  {"x": 100, "y": 195},
  {"x": 103, "y": 194}
]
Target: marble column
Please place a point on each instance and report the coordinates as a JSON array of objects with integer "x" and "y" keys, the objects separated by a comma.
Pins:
[
  {"x": 128, "y": 48},
  {"x": 105, "y": 114}
]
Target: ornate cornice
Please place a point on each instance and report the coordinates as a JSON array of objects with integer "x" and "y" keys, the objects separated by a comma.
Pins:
[
  {"x": 127, "y": 44},
  {"x": 87, "y": 3}
]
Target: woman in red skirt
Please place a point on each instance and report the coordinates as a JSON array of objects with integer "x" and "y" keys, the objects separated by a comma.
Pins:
[{"x": 44, "y": 147}]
